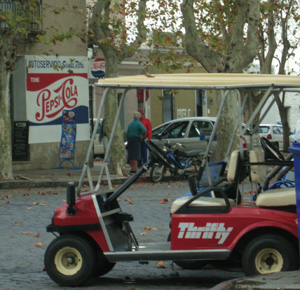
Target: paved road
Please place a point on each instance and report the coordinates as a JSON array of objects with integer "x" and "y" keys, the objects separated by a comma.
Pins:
[{"x": 25, "y": 213}]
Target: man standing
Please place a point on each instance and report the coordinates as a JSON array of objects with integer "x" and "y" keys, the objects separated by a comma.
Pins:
[{"x": 147, "y": 124}]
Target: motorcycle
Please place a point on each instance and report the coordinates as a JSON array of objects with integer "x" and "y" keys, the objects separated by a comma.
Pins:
[{"x": 181, "y": 163}]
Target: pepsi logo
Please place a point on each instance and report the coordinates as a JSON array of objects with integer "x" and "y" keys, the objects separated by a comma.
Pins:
[{"x": 98, "y": 68}]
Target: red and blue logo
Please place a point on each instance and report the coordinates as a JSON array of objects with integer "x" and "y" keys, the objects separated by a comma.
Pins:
[{"x": 98, "y": 68}]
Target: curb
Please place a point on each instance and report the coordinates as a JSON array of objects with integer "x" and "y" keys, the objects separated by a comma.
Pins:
[{"x": 13, "y": 184}]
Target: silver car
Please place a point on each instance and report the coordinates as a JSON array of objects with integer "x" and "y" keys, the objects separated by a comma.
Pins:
[{"x": 193, "y": 133}]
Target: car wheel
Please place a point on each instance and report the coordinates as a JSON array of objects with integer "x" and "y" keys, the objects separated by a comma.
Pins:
[
  {"x": 157, "y": 172},
  {"x": 69, "y": 260},
  {"x": 269, "y": 254},
  {"x": 102, "y": 265}
]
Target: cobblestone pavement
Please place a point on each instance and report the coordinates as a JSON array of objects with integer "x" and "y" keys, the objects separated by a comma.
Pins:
[{"x": 25, "y": 213}]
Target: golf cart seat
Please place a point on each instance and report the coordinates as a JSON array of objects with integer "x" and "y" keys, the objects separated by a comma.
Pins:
[
  {"x": 200, "y": 202},
  {"x": 209, "y": 204},
  {"x": 280, "y": 199}
]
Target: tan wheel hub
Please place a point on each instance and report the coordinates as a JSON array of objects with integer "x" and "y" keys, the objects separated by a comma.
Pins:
[
  {"x": 268, "y": 261},
  {"x": 68, "y": 261}
]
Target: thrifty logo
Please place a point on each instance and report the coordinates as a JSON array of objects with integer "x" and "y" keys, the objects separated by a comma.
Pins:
[{"x": 210, "y": 231}]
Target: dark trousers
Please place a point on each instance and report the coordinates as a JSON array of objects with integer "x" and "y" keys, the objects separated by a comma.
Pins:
[{"x": 144, "y": 153}]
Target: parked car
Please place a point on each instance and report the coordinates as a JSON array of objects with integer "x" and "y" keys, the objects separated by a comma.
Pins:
[
  {"x": 192, "y": 132},
  {"x": 98, "y": 146},
  {"x": 274, "y": 133}
]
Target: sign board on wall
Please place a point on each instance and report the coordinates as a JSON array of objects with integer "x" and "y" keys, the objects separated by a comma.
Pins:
[
  {"x": 97, "y": 68},
  {"x": 54, "y": 84}
]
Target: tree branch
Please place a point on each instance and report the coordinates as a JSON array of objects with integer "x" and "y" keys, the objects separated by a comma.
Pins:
[{"x": 195, "y": 44}]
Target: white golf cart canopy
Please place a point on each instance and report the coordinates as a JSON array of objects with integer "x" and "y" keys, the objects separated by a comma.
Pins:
[
  {"x": 268, "y": 84},
  {"x": 203, "y": 81}
]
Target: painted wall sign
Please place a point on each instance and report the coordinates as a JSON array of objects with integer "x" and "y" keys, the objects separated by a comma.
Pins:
[{"x": 54, "y": 84}]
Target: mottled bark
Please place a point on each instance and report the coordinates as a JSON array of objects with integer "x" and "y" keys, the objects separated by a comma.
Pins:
[
  {"x": 239, "y": 53},
  {"x": 114, "y": 52},
  {"x": 7, "y": 60}
]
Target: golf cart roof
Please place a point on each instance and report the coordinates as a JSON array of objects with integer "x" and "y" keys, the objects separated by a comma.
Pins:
[{"x": 204, "y": 81}]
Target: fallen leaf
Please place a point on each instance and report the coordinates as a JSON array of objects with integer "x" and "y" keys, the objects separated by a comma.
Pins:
[
  {"x": 145, "y": 234},
  {"x": 129, "y": 200},
  {"x": 165, "y": 200},
  {"x": 26, "y": 233},
  {"x": 9, "y": 196},
  {"x": 69, "y": 174},
  {"x": 35, "y": 203},
  {"x": 16, "y": 223},
  {"x": 28, "y": 208},
  {"x": 154, "y": 229},
  {"x": 147, "y": 228},
  {"x": 160, "y": 264},
  {"x": 39, "y": 245},
  {"x": 37, "y": 235},
  {"x": 41, "y": 193}
]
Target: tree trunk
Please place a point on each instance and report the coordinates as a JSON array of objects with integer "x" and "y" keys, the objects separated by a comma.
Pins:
[
  {"x": 117, "y": 152},
  {"x": 283, "y": 112},
  {"x": 5, "y": 126}
]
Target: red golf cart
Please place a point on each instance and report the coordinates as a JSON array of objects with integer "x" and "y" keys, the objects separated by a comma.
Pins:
[{"x": 93, "y": 233}]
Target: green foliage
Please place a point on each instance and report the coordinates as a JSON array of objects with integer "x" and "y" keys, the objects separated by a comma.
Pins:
[{"x": 20, "y": 18}]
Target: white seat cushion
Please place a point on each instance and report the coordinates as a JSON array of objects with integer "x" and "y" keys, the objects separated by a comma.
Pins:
[
  {"x": 277, "y": 197},
  {"x": 257, "y": 172},
  {"x": 201, "y": 201},
  {"x": 233, "y": 166}
]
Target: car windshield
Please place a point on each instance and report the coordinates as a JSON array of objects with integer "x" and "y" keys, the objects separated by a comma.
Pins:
[
  {"x": 158, "y": 130},
  {"x": 175, "y": 130}
]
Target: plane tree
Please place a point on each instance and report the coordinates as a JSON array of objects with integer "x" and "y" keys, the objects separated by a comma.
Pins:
[
  {"x": 17, "y": 20},
  {"x": 231, "y": 36},
  {"x": 118, "y": 28},
  {"x": 15, "y": 30},
  {"x": 279, "y": 38},
  {"x": 223, "y": 37}
]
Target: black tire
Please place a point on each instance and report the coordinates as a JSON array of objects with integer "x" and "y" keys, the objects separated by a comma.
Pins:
[
  {"x": 69, "y": 260},
  {"x": 157, "y": 172},
  {"x": 269, "y": 253},
  {"x": 102, "y": 265}
]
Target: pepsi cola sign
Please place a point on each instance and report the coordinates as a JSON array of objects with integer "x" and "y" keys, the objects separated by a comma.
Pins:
[{"x": 98, "y": 68}]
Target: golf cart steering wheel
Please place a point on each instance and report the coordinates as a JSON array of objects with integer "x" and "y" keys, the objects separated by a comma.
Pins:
[
  {"x": 271, "y": 149},
  {"x": 158, "y": 154}
]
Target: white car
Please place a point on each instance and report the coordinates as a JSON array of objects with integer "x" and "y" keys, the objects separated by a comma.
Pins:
[
  {"x": 193, "y": 133},
  {"x": 274, "y": 133}
]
